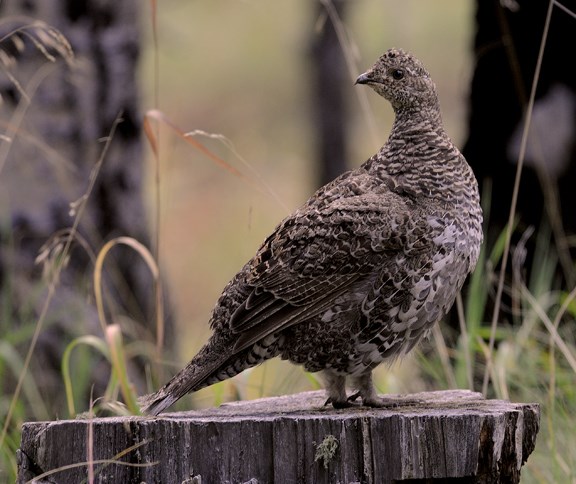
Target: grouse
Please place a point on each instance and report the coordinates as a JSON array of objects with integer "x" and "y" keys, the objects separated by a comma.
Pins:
[{"x": 362, "y": 271}]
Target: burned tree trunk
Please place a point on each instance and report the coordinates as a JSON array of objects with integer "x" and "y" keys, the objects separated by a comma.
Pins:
[
  {"x": 329, "y": 75},
  {"x": 68, "y": 75},
  {"x": 506, "y": 50}
]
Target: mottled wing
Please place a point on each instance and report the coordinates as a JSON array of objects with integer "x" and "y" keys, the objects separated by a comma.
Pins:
[{"x": 313, "y": 258}]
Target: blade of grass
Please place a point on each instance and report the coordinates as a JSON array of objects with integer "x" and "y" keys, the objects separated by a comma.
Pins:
[
  {"x": 151, "y": 263},
  {"x": 466, "y": 344},
  {"x": 189, "y": 137},
  {"x": 13, "y": 361},
  {"x": 551, "y": 326},
  {"x": 512, "y": 215},
  {"x": 442, "y": 351},
  {"x": 113, "y": 336},
  {"x": 230, "y": 146},
  {"x": 156, "y": 115},
  {"x": 88, "y": 340}
]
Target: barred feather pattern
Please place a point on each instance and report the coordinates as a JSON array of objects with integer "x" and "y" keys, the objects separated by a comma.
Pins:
[{"x": 360, "y": 273}]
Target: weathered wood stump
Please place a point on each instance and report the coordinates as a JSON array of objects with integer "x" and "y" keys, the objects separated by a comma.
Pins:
[{"x": 293, "y": 439}]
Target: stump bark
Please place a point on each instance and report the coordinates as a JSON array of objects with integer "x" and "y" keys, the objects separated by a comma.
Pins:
[{"x": 293, "y": 439}]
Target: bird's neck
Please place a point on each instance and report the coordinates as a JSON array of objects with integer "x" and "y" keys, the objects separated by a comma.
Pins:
[
  {"x": 412, "y": 123},
  {"x": 419, "y": 159},
  {"x": 416, "y": 140}
]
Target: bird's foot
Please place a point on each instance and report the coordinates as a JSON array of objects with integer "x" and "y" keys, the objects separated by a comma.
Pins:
[
  {"x": 339, "y": 404},
  {"x": 372, "y": 402},
  {"x": 367, "y": 392},
  {"x": 354, "y": 397}
]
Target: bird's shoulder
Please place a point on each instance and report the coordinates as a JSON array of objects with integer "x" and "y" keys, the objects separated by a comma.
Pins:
[{"x": 356, "y": 210}]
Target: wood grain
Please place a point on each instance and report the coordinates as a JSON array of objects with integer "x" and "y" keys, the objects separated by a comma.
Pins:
[{"x": 434, "y": 435}]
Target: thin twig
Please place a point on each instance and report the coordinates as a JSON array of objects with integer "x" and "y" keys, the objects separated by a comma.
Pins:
[
  {"x": 564, "y": 9},
  {"x": 160, "y": 323}
]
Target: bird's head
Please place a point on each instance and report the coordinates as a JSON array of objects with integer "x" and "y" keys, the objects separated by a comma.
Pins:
[{"x": 402, "y": 80}]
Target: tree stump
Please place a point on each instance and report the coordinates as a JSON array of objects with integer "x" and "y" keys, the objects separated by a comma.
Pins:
[{"x": 292, "y": 439}]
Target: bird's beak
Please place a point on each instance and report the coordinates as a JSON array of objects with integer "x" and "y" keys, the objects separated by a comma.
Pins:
[{"x": 364, "y": 78}]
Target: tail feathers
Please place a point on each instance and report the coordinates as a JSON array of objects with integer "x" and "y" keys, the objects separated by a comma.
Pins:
[
  {"x": 156, "y": 403},
  {"x": 191, "y": 378},
  {"x": 212, "y": 364}
]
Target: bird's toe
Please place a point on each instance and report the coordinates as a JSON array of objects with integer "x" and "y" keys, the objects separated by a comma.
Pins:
[
  {"x": 339, "y": 404},
  {"x": 376, "y": 402}
]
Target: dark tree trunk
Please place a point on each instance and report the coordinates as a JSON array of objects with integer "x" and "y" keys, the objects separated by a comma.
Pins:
[
  {"x": 506, "y": 50},
  {"x": 68, "y": 106},
  {"x": 329, "y": 76}
]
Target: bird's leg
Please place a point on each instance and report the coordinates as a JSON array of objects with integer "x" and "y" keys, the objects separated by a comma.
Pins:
[
  {"x": 336, "y": 389},
  {"x": 365, "y": 389}
]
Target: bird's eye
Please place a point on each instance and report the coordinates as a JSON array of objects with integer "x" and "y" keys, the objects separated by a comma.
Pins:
[{"x": 397, "y": 74}]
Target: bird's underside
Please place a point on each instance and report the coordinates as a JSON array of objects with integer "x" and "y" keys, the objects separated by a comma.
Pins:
[{"x": 361, "y": 272}]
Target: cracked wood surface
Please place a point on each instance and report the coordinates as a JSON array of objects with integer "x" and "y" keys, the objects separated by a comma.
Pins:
[{"x": 433, "y": 435}]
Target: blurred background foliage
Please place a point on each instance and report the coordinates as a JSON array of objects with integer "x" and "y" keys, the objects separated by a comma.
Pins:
[{"x": 243, "y": 70}]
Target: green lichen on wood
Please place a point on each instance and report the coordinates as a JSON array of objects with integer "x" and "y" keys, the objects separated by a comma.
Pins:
[{"x": 326, "y": 450}]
